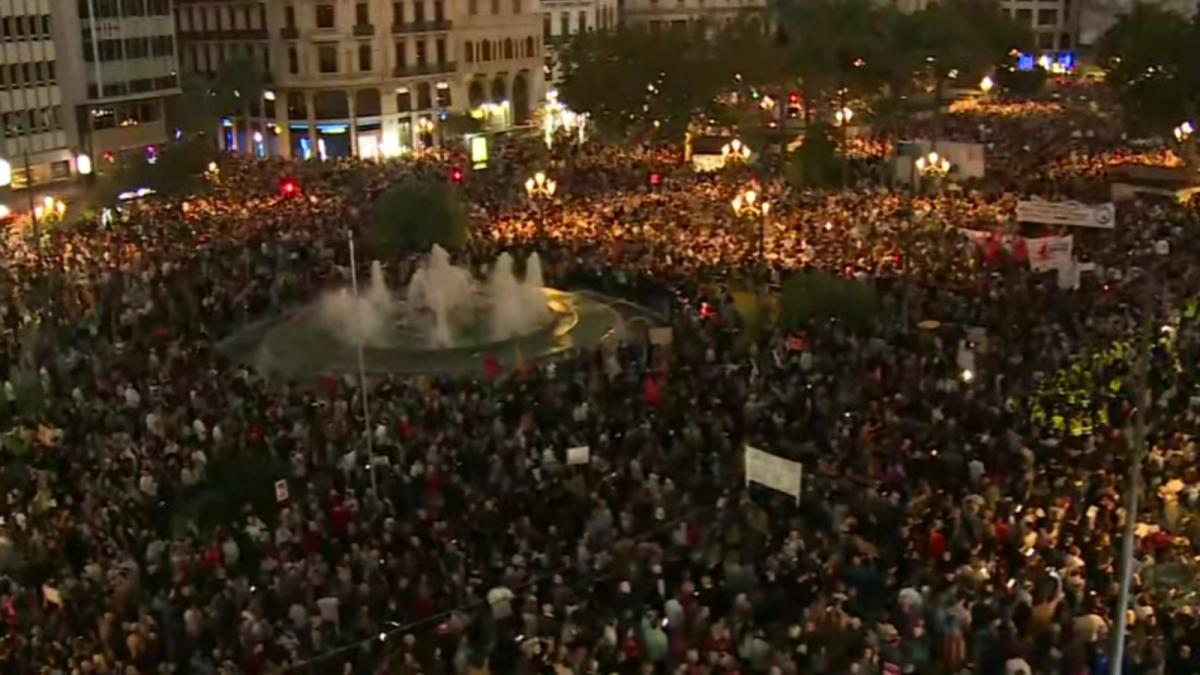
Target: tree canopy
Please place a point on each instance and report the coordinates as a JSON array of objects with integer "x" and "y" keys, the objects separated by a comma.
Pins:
[
  {"x": 1152, "y": 55},
  {"x": 178, "y": 168},
  {"x": 813, "y": 295},
  {"x": 416, "y": 215},
  {"x": 637, "y": 79}
]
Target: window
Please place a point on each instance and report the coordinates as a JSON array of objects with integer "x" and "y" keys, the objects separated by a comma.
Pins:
[
  {"x": 530, "y": 47},
  {"x": 508, "y": 48},
  {"x": 469, "y": 51},
  {"x": 546, "y": 23},
  {"x": 327, "y": 58},
  {"x": 516, "y": 6},
  {"x": 439, "y": 51},
  {"x": 582, "y": 21},
  {"x": 439, "y": 11},
  {"x": 564, "y": 23},
  {"x": 1045, "y": 41},
  {"x": 364, "y": 58},
  {"x": 495, "y": 6},
  {"x": 265, "y": 55},
  {"x": 485, "y": 50},
  {"x": 403, "y": 100},
  {"x": 419, "y": 12},
  {"x": 289, "y": 17},
  {"x": 361, "y": 16},
  {"x": 324, "y": 16},
  {"x": 293, "y": 61},
  {"x": 1025, "y": 16},
  {"x": 1047, "y": 17},
  {"x": 397, "y": 13},
  {"x": 424, "y": 98},
  {"x": 401, "y": 56},
  {"x": 443, "y": 95},
  {"x": 472, "y": 7},
  {"x": 422, "y": 54},
  {"x": 1064, "y": 42}
]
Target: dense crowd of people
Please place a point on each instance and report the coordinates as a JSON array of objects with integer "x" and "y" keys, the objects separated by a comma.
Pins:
[{"x": 943, "y": 527}]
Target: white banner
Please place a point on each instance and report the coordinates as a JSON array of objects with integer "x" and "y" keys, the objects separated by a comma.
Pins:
[
  {"x": 774, "y": 472},
  {"x": 1049, "y": 253},
  {"x": 581, "y": 454},
  {"x": 1103, "y": 216},
  {"x": 281, "y": 491}
]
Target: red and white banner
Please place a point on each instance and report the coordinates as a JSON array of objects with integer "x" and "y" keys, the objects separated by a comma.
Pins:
[{"x": 1049, "y": 253}]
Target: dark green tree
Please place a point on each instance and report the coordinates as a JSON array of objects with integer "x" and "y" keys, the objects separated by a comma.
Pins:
[
  {"x": 811, "y": 296},
  {"x": 963, "y": 40},
  {"x": 416, "y": 215},
  {"x": 1152, "y": 55},
  {"x": 816, "y": 162},
  {"x": 178, "y": 169}
]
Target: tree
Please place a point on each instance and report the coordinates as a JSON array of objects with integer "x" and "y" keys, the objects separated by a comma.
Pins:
[
  {"x": 177, "y": 169},
  {"x": 636, "y": 79},
  {"x": 240, "y": 86},
  {"x": 811, "y": 296},
  {"x": 816, "y": 162},
  {"x": 966, "y": 39},
  {"x": 416, "y": 215},
  {"x": 1151, "y": 54}
]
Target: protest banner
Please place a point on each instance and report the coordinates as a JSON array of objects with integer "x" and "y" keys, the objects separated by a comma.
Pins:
[
  {"x": 1067, "y": 213},
  {"x": 774, "y": 472},
  {"x": 581, "y": 454},
  {"x": 1049, "y": 253}
]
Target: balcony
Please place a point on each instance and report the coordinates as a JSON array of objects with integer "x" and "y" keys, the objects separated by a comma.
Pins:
[
  {"x": 423, "y": 26},
  {"x": 424, "y": 69},
  {"x": 364, "y": 30},
  {"x": 247, "y": 34},
  {"x": 292, "y": 33}
]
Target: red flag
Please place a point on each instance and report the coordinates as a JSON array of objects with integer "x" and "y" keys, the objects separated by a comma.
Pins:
[
  {"x": 1020, "y": 251},
  {"x": 492, "y": 367},
  {"x": 651, "y": 391}
]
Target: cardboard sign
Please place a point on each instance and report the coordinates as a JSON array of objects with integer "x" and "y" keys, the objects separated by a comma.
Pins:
[
  {"x": 774, "y": 472},
  {"x": 581, "y": 454}
]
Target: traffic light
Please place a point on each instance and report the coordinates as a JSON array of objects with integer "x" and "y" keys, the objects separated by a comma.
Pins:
[
  {"x": 456, "y": 175},
  {"x": 794, "y": 104},
  {"x": 655, "y": 179},
  {"x": 289, "y": 187}
]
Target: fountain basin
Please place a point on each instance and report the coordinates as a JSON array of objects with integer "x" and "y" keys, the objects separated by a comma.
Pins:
[{"x": 300, "y": 344}]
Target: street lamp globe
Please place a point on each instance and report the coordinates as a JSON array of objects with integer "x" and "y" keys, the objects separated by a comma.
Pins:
[
  {"x": 986, "y": 84},
  {"x": 83, "y": 164},
  {"x": 5, "y": 173}
]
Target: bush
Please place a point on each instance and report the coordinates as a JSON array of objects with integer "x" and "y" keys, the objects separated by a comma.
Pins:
[
  {"x": 415, "y": 216},
  {"x": 1021, "y": 83},
  {"x": 231, "y": 483},
  {"x": 811, "y": 296},
  {"x": 816, "y": 163}
]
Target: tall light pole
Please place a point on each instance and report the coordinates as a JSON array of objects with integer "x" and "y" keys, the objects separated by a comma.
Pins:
[
  {"x": 540, "y": 190},
  {"x": 747, "y": 204},
  {"x": 932, "y": 166},
  {"x": 362, "y": 367}
]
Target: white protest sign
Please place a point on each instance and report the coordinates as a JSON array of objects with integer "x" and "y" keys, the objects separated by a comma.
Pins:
[
  {"x": 774, "y": 472},
  {"x": 281, "y": 491},
  {"x": 1049, "y": 253},
  {"x": 581, "y": 454},
  {"x": 661, "y": 336},
  {"x": 1071, "y": 213}
]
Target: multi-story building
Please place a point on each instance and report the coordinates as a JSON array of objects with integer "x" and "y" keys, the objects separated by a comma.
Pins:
[
  {"x": 36, "y": 134},
  {"x": 563, "y": 18},
  {"x": 682, "y": 13},
  {"x": 1055, "y": 23},
  {"x": 371, "y": 77},
  {"x": 82, "y": 78}
]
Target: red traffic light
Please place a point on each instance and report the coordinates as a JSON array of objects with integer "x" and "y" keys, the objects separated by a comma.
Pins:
[
  {"x": 794, "y": 98},
  {"x": 289, "y": 187},
  {"x": 456, "y": 175},
  {"x": 655, "y": 179}
]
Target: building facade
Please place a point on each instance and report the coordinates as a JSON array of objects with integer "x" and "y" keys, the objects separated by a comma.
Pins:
[
  {"x": 1054, "y": 23},
  {"x": 373, "y": 78},
  {"x": 87, "y": 78},
  {"x": 36, "y": 130},
  {"x": 562, "y": 19},
  {"x": 684, "y": 13}
]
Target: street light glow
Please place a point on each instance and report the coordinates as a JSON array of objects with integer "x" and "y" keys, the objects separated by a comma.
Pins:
[
  {"x": 5, "y": 173},
  {"x": 83, "y": 164},
  {"x": 986, "y": 84}
]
